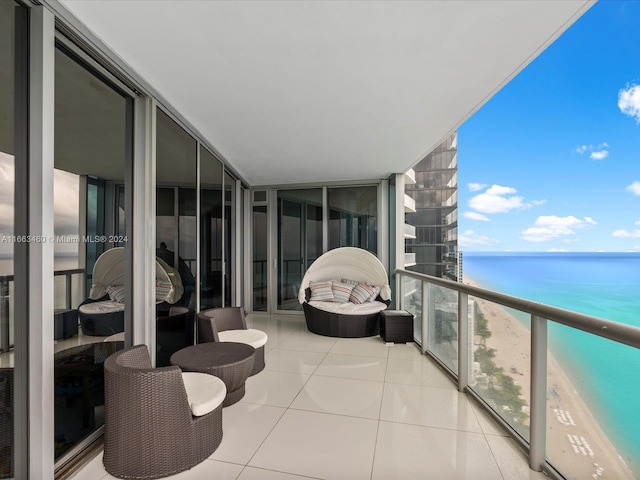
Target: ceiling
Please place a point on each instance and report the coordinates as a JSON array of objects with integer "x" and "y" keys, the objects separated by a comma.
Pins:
[{"x": 320, "y": 91}]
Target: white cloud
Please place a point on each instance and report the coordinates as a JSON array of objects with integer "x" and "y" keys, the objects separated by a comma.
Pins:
[
  {"x": 474, "y": 187},
  {"x": 65, "y": 202},
  {"x": 476, "y": 216},
  {"x": 499, "y": 199},
  {"x": 500, "y": 190},
  {"x": 637, "y": 222},
  {"x": 621, "y": 233},
  {"x": 634, "y": 188},
  {"x": 629, "y": 101},
  {"x": 597, "y": 152},
  {"x": 547, "y": 227},
  {"x": 472, "y": 239},
  {"x": 557, "y": 250}
]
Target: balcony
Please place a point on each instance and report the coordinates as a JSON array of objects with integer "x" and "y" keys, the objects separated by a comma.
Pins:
[
  {"x": 409, "y": 231},
  {"x": 351, "y": 409},
  {"x": 409, "y": 259},
  {"x": 409, "y": 204}
]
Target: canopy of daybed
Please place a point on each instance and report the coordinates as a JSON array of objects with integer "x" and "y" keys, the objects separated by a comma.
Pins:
[
  {"x": 109, "y": 270},
  {"x": 350, "y": 263}
]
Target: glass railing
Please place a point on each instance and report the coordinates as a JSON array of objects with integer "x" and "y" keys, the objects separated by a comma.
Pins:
[
  {"x": 68, "y": 293},
  {"x": 518, "y": 359}
]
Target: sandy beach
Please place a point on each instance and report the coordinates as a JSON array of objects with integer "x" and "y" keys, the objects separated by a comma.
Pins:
[{"x": 576, "y": 444}]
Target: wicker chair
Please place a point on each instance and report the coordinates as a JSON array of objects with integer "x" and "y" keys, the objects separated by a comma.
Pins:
[
  {"x": 228, "y": 324},
  {"x": 150, "y": 430}
]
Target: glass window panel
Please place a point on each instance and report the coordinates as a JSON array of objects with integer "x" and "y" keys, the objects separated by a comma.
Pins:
[
  {"x": 299, "y": 241},
  {"x": 260, "y": 259},
  {"x": 8, "y": 11},
  {"x": 230, "y": 218},
  {"x": 91, "y": 147},
  {"x": 210, "y": 230},
  {"x": 176, "y": 244},
  {"x": 353, "y": 217}
]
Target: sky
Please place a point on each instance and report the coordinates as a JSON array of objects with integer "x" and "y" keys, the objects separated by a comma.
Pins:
[{"x": 552, "y": 161}]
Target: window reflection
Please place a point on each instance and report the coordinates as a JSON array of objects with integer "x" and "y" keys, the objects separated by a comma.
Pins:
[
  {"x": 8, "y": 14},
  {"x": 90, "y": 157},
  {"x": 353, "y": 217},
  {"x": 210, "y": 230}
]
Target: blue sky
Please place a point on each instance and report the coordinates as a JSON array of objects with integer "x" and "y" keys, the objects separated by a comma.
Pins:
[{"x": 552, "y": 161}]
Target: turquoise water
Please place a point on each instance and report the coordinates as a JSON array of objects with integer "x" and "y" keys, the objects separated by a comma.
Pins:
[{"x": 605, "y": 285}]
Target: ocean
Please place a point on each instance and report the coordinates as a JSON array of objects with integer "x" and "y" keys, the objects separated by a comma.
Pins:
[{"x": 605, "y": 285}]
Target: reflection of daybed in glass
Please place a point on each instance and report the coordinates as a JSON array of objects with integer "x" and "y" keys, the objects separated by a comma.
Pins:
[
  {"x": 103, "y": 312},
  {"x": 347, "y": 273}
]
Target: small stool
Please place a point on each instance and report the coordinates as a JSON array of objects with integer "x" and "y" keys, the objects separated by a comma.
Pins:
[
  {"x": 396, "y": 326},
  {"x": 65, "y": 323}
]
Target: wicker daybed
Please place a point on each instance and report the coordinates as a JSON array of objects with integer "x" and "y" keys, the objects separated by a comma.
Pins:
[
  {"x": 343, "y": 292},
  {"x": 102, "y": 314}
]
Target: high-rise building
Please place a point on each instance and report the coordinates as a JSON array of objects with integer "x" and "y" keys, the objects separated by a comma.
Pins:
[{"x": 435, "y": 192}]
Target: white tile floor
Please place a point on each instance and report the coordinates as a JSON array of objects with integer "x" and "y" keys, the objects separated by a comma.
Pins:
[{"x": 327, "y": 408}]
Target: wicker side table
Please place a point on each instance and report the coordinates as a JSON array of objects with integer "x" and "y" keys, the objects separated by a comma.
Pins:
[
  {"x": 396, "y": 326},
  {"x": 229, "y": 361}
]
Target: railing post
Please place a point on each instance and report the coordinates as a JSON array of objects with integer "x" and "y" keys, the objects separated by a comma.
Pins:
[
  {"x": 538, "y": 419},
  {"x": 426, "y": 315},
  {"x": 68, "y": 277},
  {"x": 399, "y": 292},
  {"x": 463, "y": 341}
]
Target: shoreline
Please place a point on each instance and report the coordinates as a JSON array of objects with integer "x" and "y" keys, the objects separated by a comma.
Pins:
[{"x": 576, "y": 442}]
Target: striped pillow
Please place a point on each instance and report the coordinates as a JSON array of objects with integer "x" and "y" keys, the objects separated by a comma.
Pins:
[
  {"x": 321, "y": 291},
  {"x": 162, "y": 290},
  {"x": 116, "y": 293},
  {"x": 376, "y": 291},
  {"x": 363, "y": 293},
  {"x": 341, "y": 291}
]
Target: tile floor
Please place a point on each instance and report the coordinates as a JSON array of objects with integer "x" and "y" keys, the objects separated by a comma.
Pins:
[{"x": 327, "y": 408}]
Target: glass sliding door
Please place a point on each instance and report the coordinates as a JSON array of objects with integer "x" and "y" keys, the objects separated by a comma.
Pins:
[
  {"x": 260, "y": 260},
  {"x": 353, "y": 217},
  {"x": 230, "y": 219},
  {"x": 176, "y": 243},
  {"x": 93, "y": 151},
  {"x": 299, "y": 241},
  {"x": 13, "y": 105},
  {"x": 211, "y": 265}
]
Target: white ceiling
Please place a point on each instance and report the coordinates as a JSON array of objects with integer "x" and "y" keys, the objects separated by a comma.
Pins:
[{"x": 317, "y": 91}]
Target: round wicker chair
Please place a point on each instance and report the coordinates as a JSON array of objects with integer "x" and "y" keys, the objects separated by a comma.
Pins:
[{"x": 151, "y": 429}]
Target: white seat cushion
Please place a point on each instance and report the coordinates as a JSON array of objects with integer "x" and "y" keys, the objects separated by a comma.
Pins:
[
  {"x": 204, "y": 392},
  {"x": 106, "y": 306},
  {"x": 366, "y": 308},
  {"x": 251, "y": 336}
]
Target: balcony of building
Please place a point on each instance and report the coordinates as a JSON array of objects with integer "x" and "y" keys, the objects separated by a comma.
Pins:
[{"x": 331, "y": 408}]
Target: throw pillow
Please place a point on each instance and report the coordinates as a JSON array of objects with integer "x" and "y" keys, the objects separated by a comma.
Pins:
[
  {"x": 341, "y": 291},
  {"x": 116, "y": 293},
  {"x": 321, "y": 291}
]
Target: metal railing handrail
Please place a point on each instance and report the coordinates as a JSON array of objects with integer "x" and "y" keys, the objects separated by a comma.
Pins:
[
  {"x": 541, "y": 315},
  {"x": 616, "y": 331}
]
